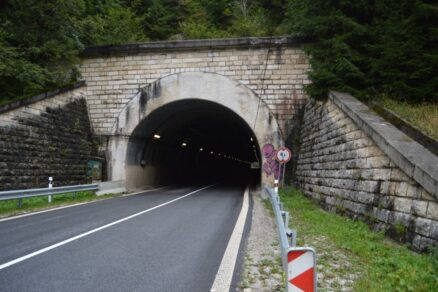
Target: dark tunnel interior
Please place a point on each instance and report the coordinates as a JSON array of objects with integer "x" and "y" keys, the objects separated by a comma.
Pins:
[{"x": 195, "y": 141}]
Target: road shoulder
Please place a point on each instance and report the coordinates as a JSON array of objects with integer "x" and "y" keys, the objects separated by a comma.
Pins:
[{"x": 262, "y": 270}]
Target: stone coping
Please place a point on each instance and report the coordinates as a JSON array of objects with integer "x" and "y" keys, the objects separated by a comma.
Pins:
[
  {"x": 416, "y": 161},
  {"x": 27, "y": 101},
  {"x": 427, "y": 141},
  {"x": 249, "y": 42}
]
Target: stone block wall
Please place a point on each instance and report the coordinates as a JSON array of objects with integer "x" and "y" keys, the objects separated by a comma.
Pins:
[
  {"x": 51, "y": 137},
  {"x": 341, "y": 166},
  {"x": 274, "y": 68}
]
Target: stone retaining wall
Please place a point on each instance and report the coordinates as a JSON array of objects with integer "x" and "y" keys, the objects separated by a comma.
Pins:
[
  {"x": 355, "y": 163},
  {"x": 50, "y": 137}
]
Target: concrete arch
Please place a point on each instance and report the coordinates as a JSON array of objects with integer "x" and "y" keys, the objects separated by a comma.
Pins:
[{"x": 210, "y": 87}]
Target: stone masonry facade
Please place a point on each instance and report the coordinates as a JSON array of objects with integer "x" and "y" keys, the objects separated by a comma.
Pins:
[
  {"x": 341, "y": 167},
  {"x": 349, "y": 160},
  {"x": 274, "y": 68},
  {"x": 48, "y": 137}
]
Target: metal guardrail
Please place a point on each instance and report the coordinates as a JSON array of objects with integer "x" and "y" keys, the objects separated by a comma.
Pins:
[
  {"x": 21, "y": 194},
  {"x": 282, "y": 222},
  {"x": 289, "y": 251}
]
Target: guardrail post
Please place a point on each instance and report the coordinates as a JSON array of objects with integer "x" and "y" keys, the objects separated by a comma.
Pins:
[
  {"x": 292, "y": 233},
  {"x": 300, "y": 277},
  {"x": 50, "y": 186},
  {"x": 20, "y": 203},
  {"x": 285, "y": 215},
  {"x": 49, "y": 192}
]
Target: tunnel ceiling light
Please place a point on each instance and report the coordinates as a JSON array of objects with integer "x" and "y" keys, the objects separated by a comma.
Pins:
[
  {"x": 156, "y": 136},
  {"x": 251, "y": 139},
  {"x": 211, "y": 152},
  {"x": 184, "y": 144},
  {"x": 201, "y": 149}
]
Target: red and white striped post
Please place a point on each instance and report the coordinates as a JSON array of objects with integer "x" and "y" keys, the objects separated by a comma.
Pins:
[{"x": 301, "y": 269}]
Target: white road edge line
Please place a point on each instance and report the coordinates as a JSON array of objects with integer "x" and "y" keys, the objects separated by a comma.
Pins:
[
  {"x": 224, "y": 276},
  {"x": 38, "y": 252},
  {"x": 77, "y": 204}
]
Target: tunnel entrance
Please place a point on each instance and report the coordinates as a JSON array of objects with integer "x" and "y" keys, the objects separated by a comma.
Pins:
[
  {"x": 158, "y": 136},
  {"x": 192, "y": 141}
]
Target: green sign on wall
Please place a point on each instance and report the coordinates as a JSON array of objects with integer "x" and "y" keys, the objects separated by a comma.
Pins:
[{"x": 94, "y": 170}]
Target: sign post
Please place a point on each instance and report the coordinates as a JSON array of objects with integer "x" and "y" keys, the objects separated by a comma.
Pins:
[{"x": 283, "y": 156}]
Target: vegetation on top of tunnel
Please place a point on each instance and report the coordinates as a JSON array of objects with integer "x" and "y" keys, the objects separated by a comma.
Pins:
[
  {"x": 370, "y": 48},
  {"x": 382, "y": 264},
  {"x": 364, "y": 47}
]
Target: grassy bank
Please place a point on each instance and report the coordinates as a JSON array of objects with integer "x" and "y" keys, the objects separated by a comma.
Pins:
[
  {"x": 371, "y": 261},
  {"x": 422, "y": 115},
  {"x": 11, "y": 207}
]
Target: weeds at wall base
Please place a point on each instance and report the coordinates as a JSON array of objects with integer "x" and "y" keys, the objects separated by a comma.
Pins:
[
  {"x": 11, "y": 207},
  {"x": 380, "y": 263}
]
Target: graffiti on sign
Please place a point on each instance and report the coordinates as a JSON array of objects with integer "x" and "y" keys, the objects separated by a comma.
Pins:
[{"x": 271, "y": 166}]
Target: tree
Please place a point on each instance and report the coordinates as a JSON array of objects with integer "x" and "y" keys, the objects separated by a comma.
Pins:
[
  {"x": 160, "y": 18},
  {"x": 248, "y": 19},
  {"x": 40, "y": 40},
  {"x": 110, "y": 23},
  {"x": 39, "y": 44},
  {"x": 404, "y": 57},
  {"x": 369, "y": 47},
  {"x": 18, "y": 76}
]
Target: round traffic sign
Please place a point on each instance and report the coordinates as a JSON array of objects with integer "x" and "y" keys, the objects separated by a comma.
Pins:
[{"x": 283, "y": 155}]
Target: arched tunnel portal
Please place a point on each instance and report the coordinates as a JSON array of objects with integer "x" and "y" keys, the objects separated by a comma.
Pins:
[
  {"x": 192, "y": 141},
  {"x": 192, "y": 127}
]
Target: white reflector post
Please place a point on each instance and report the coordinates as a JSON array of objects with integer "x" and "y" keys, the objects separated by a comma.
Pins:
[{"x": 49, "y": 198}]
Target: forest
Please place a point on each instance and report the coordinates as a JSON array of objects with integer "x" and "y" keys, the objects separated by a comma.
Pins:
[{"x": 366, "y": 47}]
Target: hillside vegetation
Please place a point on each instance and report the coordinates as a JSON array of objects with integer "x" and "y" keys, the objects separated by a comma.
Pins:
[{"x": 364, "y": 47}]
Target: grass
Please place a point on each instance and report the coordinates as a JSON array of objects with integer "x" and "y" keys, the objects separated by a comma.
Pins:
[
  {"x": 11, "y": 207},
  {"x": 383, "y": 264},
  {"x": 422, "y": 115}
]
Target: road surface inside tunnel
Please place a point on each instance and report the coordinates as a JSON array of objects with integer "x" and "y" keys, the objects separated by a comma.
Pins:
[{"x": 172, "y": 240}]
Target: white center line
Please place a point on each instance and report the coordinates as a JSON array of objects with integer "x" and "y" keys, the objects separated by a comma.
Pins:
[{"x": 38, "y": 252}]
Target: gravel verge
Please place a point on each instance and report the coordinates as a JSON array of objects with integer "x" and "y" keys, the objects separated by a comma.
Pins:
[{"x": 262, "y": 269}]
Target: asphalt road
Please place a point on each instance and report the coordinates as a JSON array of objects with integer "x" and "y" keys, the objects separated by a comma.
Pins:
[{"x": 175, "y": 247}]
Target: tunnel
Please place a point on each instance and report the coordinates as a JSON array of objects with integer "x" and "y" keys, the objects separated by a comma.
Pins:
[
  {"x": 192, "y": 141},
  {"x": 192, "y": 127}
]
